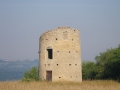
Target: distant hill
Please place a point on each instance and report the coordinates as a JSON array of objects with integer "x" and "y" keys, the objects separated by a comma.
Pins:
[{"x": 14, "y": 70}]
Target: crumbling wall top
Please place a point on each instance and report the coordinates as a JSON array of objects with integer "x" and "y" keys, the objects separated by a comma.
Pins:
[{"x": 63, "y": 27}]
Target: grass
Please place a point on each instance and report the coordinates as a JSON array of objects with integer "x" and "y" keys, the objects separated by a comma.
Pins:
[{"x": 85, "y": 85}]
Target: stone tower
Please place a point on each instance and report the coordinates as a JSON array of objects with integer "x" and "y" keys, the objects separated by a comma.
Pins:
[{"x": 60, "y": 55}]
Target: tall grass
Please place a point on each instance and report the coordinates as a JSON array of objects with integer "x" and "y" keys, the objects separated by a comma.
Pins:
[{"x": 85, "y": 85}]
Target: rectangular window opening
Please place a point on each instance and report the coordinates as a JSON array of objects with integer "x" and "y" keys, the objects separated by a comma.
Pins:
[{"x": 50, "y": 53}]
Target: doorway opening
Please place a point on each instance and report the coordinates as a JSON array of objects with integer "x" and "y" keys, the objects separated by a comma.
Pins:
[{"x": 49, "y": 75}]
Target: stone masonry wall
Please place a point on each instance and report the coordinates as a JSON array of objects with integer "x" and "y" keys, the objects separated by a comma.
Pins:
[{"x": 66, "y": 60}]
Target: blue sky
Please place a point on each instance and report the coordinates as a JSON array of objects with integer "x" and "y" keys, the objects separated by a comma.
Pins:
[{"x": 23, "y": 21}]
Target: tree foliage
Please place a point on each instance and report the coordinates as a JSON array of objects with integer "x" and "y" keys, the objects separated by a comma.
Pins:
[
  {"x": 88, "y": 70},
  {"x": 31, "y": 75},
  {"x": 107, "y": 66}
]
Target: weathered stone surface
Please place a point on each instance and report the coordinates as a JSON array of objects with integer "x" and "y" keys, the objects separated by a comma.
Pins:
[{"x": 65, "y": 64}]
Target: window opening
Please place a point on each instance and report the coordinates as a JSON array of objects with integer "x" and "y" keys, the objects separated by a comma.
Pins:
[
  {"x": 69, "y": 64},
  {"x": 75, "y": 64},
  {"x": 50, "y": 53},
  {"x": 69, "y": 51},
  {"x": 48, "y": 64},
  {"x": 57, "y": 64},
  {"x": 56, "y": 39}
]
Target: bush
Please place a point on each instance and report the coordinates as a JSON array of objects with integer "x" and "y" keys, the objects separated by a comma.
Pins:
[
  {"x": 89, "y": 70},
  {"x": 31, "y": 75}
]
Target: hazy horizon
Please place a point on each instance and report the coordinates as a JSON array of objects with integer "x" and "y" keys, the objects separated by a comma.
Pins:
[{"x": 22, "y": 23}]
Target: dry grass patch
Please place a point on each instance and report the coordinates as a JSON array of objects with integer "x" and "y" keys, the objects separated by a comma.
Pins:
[{"x": 85, "y": 85}]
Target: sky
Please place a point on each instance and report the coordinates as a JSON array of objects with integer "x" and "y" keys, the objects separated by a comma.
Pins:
[{"x": 23, "y": 21}]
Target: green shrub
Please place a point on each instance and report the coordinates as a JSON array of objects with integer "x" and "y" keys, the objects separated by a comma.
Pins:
[
  {"x": 31, "y": 75},
  {"x": 89, "y": 70}
]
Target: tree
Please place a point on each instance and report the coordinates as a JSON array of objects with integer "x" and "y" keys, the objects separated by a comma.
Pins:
[
  {"x": 88, "y": 70},
  {"x": 31, "y": 75},
  {"x": 109, "y": 64}
]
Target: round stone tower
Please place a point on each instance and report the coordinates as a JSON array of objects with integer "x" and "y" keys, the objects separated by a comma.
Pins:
[{"x": 60, "y": 55}]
